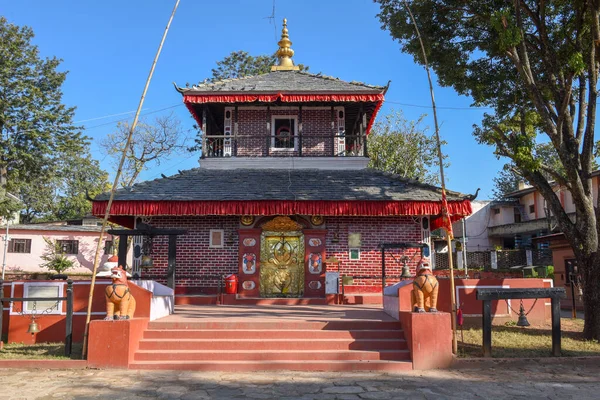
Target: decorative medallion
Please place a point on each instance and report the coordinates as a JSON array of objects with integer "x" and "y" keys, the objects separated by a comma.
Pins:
[
  {"x": 249, "y": 242},
  {"x": 247, "y": 220},
  {"x": 314, "y": 242},
  {"x": 281, "y": 224},
  {"x": 315, "y": 285},
  {"x": 248, "y": 285},
  {"x": 249, "y": 263},
  {"x": 315, "y": 263},
  {"x": 317, "y": 220}
]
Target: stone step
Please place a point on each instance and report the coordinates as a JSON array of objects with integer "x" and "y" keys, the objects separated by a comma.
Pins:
[
  {"x": 266, "y": 355},
  {"x": 277, "y": 325},
  {"x": 236, "y": 300},
  {"x": 272, "y": 344},
  {"x": 300, "y": 334},
  {"x": 366, "y": 298},
  {"x": 292, "y": 365}
]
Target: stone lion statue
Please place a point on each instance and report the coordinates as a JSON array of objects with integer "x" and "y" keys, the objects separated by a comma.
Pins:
[
  {"x": 425, "y": 289},
  {"x": 120, "y": 304}
]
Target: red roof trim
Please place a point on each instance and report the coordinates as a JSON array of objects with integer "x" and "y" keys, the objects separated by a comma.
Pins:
[{"x": 457, "y": 209}]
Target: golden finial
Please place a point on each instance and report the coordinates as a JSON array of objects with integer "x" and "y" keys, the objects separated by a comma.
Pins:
[{"x": 285, "y": 52}]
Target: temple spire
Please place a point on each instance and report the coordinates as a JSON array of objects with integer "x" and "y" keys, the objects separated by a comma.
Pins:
[{"x": 285, "y": 52}]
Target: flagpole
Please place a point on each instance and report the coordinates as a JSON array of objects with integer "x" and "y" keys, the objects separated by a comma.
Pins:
[
  {"x": 116, "y": 183},
  {"x": 445, "y": 213}
]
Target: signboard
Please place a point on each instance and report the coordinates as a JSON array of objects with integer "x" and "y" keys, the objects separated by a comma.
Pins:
[{"x": 332, "y": 280}]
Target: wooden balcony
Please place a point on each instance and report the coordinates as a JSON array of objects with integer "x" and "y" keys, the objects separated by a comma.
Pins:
[{"x": 305, "y": 145}]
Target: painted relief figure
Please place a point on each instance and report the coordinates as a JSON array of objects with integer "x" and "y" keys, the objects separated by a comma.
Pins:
[
  {"x": 249, "y": 263},
  {"x": 315, "y": 263}
]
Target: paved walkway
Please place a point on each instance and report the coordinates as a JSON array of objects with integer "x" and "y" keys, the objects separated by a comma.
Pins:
[{"x": 571, "y": 379}]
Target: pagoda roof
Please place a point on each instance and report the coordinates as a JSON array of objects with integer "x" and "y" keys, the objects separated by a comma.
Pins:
[
  {"x": 283, "y": 81},
  {"x": 281, "y": 184}
]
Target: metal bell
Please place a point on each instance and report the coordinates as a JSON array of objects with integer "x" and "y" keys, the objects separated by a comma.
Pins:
[
  {"x": 522, "y": 317},
  {"x": 405, "y": 272},
  {"x": 147, "y": 262},
  {"x": 33, "y": 328}
]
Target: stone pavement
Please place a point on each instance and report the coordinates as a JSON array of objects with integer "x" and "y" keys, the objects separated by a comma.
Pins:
[{"x": 567, "y": 379}]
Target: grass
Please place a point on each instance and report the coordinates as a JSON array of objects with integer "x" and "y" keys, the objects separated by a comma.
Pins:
[
  {"x": 39, "y": 351},
  {"x": 510, "y": 341}
]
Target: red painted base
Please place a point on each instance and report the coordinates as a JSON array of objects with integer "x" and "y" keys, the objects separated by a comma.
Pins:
[
  {"x": 236, "y": 300},
  {"x": 44, "y": 364},
  {"x": 196, "y": 300}
]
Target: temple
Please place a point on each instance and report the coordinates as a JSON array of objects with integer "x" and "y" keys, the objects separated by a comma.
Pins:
[{"x": 282, "y": 194}]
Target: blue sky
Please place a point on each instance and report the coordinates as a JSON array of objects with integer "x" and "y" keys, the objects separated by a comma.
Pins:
[{"x": 108, "y": 47}]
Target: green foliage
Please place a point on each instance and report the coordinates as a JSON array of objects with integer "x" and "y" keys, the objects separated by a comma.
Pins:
[
  {"x": 55, "y": 259},
  {"x": 535, "y": 63},
  {"x": 507, "y": 32},
  {"x": 403, "y": 147},
  {"x": 239, "y": 64},
  {"x": 550, "y": 271},
  {"x": 507, "y": 181},
  {"x": 44, "y": 156}
]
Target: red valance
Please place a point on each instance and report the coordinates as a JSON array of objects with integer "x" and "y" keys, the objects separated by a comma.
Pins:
[
  {"x": 285, "y": 98},
  {"x": 457, "y": 209},
  {"x": 189, "y": 99}
]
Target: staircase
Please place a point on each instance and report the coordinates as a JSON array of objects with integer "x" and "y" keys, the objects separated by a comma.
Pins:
[{"x": 256, "y": 345}]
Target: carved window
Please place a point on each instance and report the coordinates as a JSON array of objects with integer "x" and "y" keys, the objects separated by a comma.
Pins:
[
  {"x": 109, "y": 247},
  {"x": 19, "y": 246},
  {"x": 68, "y": 246},
  {"x": 283, "y": 131}
]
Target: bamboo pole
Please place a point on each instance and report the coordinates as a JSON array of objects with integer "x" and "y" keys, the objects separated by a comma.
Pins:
[
  {"x": 443, "y": 182},
  {"x": 116, "y": 183}
]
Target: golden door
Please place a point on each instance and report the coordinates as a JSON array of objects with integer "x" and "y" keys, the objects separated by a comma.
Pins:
[{"x": 282, "y": 266}]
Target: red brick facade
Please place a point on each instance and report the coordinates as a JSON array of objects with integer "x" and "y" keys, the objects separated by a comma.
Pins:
[
  {"x": 199, "y": 267},
  {"x": 316, "y": 123}
]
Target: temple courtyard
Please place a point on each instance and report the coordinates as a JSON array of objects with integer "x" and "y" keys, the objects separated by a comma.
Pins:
[{"x": 552, "y": 379}]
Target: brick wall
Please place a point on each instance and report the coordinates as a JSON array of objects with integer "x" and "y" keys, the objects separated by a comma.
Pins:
[
  {"x": 373, "y": 232},
  {"x": 199, "y": 267},
  {"x": 197, "y": 264},
  {"x": 254, "y": 122}
]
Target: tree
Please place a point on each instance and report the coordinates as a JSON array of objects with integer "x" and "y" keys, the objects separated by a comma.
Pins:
[
  {"x": 536, "y": 64},
  {"x": 403, "y": 147},
  {"x": 151, "y": 143},
  {"x": 509, "y": 177},
  {"x": 506, "y": 182},
  {"x": 54, "y": 257},
  {"x": 239, "y": 64},
  {"x": 63, "y": 194},
  {"x": 38, "y": 141}
]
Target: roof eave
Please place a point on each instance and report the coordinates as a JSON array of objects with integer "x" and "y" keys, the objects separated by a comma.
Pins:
[{"x": 192, "y": 92}]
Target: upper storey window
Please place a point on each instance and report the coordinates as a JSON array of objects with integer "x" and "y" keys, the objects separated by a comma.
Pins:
[{"x": 283, "y": 132}]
